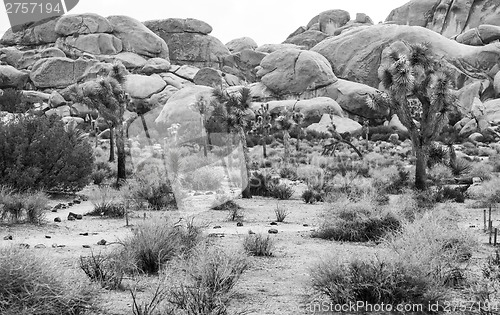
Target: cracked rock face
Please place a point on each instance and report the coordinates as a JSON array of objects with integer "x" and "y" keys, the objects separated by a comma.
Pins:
[
  {"x": 447, "y": 17},
  {"x": 294, "y": 71}
]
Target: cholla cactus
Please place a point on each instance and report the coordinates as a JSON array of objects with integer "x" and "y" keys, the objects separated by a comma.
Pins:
[{"x": 418, "y": 90}]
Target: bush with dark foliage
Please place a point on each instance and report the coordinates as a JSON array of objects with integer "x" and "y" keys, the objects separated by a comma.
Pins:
[
  {"x": 40, "y": 153},
  {"x": 261, "y": 184}
]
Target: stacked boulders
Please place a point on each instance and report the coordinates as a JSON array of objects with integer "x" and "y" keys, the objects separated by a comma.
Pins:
[{"x": 325, "y": 24}]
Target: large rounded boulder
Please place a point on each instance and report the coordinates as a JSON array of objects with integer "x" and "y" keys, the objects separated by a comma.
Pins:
[
  {"x": 137, "y": 38},
  {"x": 294, "y": 71},
  {"x": 59, "y": 72},
  {"x": 178, "y": 107},
  {"x": 40, "y": 33},
  {"x": 88, "y": 23},
  {"x": 356, "y": 55},
  {"x": 189, "y": 43}
]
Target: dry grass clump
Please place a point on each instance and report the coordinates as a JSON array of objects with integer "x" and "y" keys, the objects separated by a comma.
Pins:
[
  {"x": 421, "y": 261},
  {"x": 29, "y": 207},
  {"x": 357, "y": 221},
  {"x": 258, "y": 245},
  {"x": 32, "y": 285},
  {"x": 155, "y": 243},
  {"x": 204, "y": 283}
]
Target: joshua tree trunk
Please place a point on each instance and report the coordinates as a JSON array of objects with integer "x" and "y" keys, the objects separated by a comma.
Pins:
[
  {"x": 297, "y": 144},
  {"x": 421, "y": 153},
  {"x": 286, "y": 144},
  {"x": 264, "y": 144},
  {"x": 112, "y": 144},
  {"x": 245, "y": 167},
  {"x": 146, "y": 130},
  {"x": 120, "y": 148},
  {"x": 204, "y": 136}
]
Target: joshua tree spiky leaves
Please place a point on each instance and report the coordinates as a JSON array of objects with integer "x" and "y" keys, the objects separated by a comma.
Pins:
[
  {"x": 418, "y": 90},
  {"x": 108, "y": 96},
  {"x": 262, "y": 125},
  {"x": 231, "y": 110}
]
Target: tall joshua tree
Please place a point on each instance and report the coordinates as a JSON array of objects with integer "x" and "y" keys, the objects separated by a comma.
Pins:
[
  {"x": 298, "y": 119},
  {"x": 418, "y": 90},
  {"x": 202, "y": 107},
  {"x": 285, "y": 122},
  {"x": 232, "y": 112},
  {"x": 262, "y": 125},
  {"x": 108, "y": 96}
]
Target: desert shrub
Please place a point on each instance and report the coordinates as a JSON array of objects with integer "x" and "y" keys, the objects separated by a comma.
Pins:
[
  {"x": 311, "y": 196},
  {"x": 153, "y": 188},
  {"x": 382, "y": 133},
  {"x": 102, "y": 269},
  {"x": 310, "y": 173},
  {"x": 98, "y": 176},
  {"x": 281, "y": 213},
  {"x": 33, "y": 285},
  {"x": 491, "y": 269},
  {"x": 357, "y": 222},
  {"x": 258, "y": 245},
  {"x": 488, "y": 193},
  {"x": 390, "y": 179},
  {"x": 205, "y": 178},
  {"x": 224, "y": 202},
  {"x": 315, "y": 135},
  {"x": 41, "y": 153},
  {"x": 261, "y": 184},
  {"x": 343, "y": 166},
  {"x": 435, "y": 243},
  {"x": 439, "y": 173},
  {"x": 351, "y": 185},
  {"x": 107, "y": 203},
  {"x": 11, "y": 100},
  {"x": 481, "y": 170},
  {"x": 374, "y": 281},
  {"x": 282, "y": 191},
  {"x": 447, "y": 193},
  {"x": 288, "y": 173},
  {"x": 205, "y": 282},
  {"x": 28, "y": 207},
  {"x": 194, "y": 162},
  {"x": 155, "y": 243}
]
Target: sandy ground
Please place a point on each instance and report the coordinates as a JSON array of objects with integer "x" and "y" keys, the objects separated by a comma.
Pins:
[{"x": 275, "y": 285}]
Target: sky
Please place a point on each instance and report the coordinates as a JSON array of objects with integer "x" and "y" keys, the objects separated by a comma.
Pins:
[{"x": 266, "y": 21}]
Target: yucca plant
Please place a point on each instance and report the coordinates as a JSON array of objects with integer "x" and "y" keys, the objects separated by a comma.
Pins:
[{"x": 418, "y": 90}]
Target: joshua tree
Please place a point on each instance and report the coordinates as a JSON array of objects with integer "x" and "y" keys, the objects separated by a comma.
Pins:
[
  {"x": 202, "y": 106},
  {"x": 418, "y": 90},
  {"x": 231, "y": 110},
  {"x": 108, "y": 96},
  {"x": 262, "y": 125},
  {"x": 286, "y": 122},
  {"x": 298, "y": 119}
]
